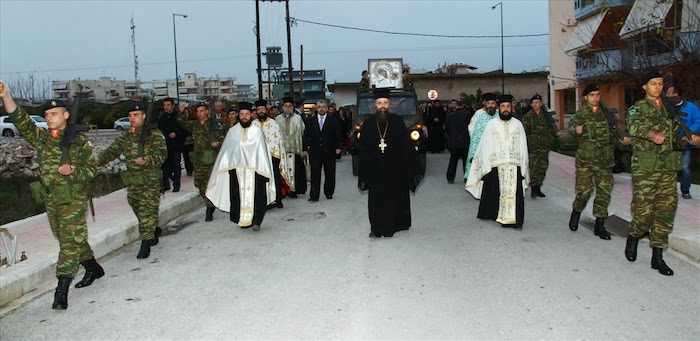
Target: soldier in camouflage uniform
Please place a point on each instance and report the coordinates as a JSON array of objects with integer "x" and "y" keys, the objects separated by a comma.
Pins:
[
  {"x": 541, "y": 132},
  {"x": 595, "y": 158},
  {"x": 656, "y": 160},
  {"x": 207, "y": 140},
  {"x": 143, "y": 175},
  {"x": 63, "y": 187}
]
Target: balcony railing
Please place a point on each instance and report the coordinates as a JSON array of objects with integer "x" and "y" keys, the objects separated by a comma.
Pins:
[
  {"x": 585, "y": 8},
  {"x": 599, "y": 63}
]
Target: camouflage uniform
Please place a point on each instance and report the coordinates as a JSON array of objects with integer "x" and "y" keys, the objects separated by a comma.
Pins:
[
  {"x": 65, "y": 196},
  {"x": 143, "y": 182},
  {"x": 654, "y": 171},
  {"x": 540, "y": 135},
  {"x": 595, "y": 158},
  {"x": 204, "y": 155}
]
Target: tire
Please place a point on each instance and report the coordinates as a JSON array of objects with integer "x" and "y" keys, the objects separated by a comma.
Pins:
[
  {"x": 8, "y": 133},
  {"x": 120, "y": 128}
]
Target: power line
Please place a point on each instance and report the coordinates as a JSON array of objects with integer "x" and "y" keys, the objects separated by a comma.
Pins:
[{"x": 294, "y": 20}]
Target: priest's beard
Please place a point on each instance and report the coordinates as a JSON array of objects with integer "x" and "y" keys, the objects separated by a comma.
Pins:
[
  {"x": 288, "y": 113},
  {"x": 505, "y": 115},
  {"x": 262, "y": 117},
  {"x": 491, "y": 111},
  {"x": 382, "y": 116},
  {"x": 245, "y": 124}
]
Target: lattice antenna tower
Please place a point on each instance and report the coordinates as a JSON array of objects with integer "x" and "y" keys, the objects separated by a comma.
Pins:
[{"x": 133, "y": 45}]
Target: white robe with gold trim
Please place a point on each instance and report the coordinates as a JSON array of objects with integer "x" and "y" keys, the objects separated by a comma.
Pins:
[
  {"x": 503, "y": 145},
  {"x": 273, "y": 138},
  {"x": 245, "y": 150},
  {"x": 292, "y": 129}
]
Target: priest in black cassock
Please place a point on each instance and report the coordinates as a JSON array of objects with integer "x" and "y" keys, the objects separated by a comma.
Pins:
[
  {"x": 387, "y": 168},
  {"x": 499, "y": 170}
]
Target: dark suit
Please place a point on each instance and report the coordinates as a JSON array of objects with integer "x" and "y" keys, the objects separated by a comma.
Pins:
[
  {"x": 321, "y": 145},
  {"x": 457, "y": 140}
]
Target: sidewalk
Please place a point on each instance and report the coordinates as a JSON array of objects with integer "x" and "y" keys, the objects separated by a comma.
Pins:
[
  {"x": 685, "y": 237},
  {"x": 115, "y": 226}
]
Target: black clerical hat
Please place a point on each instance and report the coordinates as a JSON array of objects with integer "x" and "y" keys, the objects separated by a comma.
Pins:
[
  {"x": 489, "y": 97},
  {"x": 135, "y": 106},
  {"x": 288, "y": 99},
  {"x": 505, "y": 98},
  {"x": 651, "y": 75},
  {"x": 590, "y": 88},
  {"x": 261, "y": 103},
  {"x": 53, "y": 103},
  {"x": 245, "y": 106},
  {"x": 381, "y": 93}
]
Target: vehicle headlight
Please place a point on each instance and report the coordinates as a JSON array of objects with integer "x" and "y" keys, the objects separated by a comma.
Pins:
[{"x": 415, "y": 135}]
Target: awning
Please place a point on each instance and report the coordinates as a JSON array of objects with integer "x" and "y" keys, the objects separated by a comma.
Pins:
[
  {"x": 584, "y": 32},
  {"x": 645, "y": 15},
  {"x": 690, "y": 17}
]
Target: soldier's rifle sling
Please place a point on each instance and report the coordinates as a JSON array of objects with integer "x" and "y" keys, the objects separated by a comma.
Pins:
[
  {"x": 212, "y": 122},
  {"x": 69, "y": 134}
]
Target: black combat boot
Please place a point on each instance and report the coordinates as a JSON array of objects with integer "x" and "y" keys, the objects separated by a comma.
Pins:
[
  {"x": 600, "y": 229},
  {"x": 573, "y": 222},
  {"x": 145, "y": 250},
  {"x": 533, "y": 191},
  {"x": 631, "y": 248},
  {"x": 158, "y": 232},
  {"x": 60, "y": 298},
  {"x": 539, "y": 192},
  {"x": 93, "y": 271},
  {"x": 657, "y": 262},
  {"x": 210, "y": 214}
]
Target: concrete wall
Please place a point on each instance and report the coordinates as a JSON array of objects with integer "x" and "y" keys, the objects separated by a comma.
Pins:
[{"x": 521, "y": 86}]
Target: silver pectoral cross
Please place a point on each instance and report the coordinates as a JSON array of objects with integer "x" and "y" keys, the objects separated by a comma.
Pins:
[{"x": 382, "y": 145}]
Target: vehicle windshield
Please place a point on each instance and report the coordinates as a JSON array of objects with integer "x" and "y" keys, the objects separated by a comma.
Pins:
[
  {"x": 38, "y": 119},
  {"x": 402, "y": 106}
]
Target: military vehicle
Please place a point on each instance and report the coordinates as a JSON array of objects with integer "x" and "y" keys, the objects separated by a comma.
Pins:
[{"x": 404, "y": 103}]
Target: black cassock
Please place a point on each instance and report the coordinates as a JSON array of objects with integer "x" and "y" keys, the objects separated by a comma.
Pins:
[
  {"x": 259, "y": 199},
  {"x": 388, "y": 176},
  {"x": 490, "y": 196}
]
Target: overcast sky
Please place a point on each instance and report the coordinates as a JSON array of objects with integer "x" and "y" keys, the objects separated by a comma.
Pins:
[{"x": 89, "y": 39}]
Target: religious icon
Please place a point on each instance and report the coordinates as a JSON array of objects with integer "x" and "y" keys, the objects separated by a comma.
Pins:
[{"x": 385, "y": 73}]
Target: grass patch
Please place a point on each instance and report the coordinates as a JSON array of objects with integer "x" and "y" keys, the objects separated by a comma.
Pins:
[{"x": 16, "y": 201}]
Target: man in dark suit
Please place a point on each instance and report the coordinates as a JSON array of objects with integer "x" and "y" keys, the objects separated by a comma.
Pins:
[
  {"x": 457, "y": 138},
  {"x": 322, "y": 142}
]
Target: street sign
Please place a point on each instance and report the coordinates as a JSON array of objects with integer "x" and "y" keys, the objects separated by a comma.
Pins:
[{"x": 432, "y": 95}]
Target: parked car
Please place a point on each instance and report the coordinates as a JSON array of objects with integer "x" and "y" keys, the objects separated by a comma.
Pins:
[
  {"x": 8, "y": 128},
  {"x": 122, "y": 123}
]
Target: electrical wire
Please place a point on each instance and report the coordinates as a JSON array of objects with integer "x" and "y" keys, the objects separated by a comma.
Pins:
[{"x": 294, "y": 20}]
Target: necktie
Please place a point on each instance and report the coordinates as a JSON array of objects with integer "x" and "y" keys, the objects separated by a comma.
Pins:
[{"x": 323, "y": 118}]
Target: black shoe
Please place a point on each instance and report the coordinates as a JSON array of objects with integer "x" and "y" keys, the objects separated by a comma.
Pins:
[
  {"x": 373, "y": 235},
  {"x": 280, "y": 205},
  {"x": 210, "y": 214},
  {"x": 599, "y": 229},
  {"x": 60, "y": 297},
  {"x": 657, "y": 262},
  {"x": 292, "y": 195},
  {"x": 312, "y": 199},
  {"x": 329, "y": 197},
  {"x": 145, "y": 250},
  {"x": 631, "y": 248},
  {"x": 533, "y": 192},
  {"x": 450, "y": 181},
  {"x": 256, "y": 227},
  {"x": 573, "y": 221},
  {"x": 686, "y": 196},
  {"x": 158, "y": 232},
  {"x": 539, "y": 192},
  {"x": 93, "y": 271},
  {"x": 176, "y": 189}
]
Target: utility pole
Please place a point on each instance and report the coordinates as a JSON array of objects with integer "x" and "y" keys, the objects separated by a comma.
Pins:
[
  {"x": 289, "y": 51},
  {"x": 257, "y": 35},
  {"x": 136, "y": 58},
  {"x": 301, "y": 72}
]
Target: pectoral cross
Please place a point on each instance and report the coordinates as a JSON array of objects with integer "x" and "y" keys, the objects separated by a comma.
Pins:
[{"x": 382, "y": 145}]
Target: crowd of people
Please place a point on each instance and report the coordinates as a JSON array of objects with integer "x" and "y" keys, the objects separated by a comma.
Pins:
[{"x": 249, "y": 157}]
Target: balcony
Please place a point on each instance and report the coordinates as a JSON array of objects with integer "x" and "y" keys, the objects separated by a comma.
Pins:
[
  {"x": 586, "y": 8},
  {"x": 599, "y": 63}
]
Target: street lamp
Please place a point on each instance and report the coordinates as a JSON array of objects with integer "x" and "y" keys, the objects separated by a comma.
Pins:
[
  {"x": 503, "y": 71},
  {"x": 177, "y": 79}
]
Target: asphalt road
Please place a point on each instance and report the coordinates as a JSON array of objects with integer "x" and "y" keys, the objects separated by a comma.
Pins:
[{"x": 451, "y": 276}]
